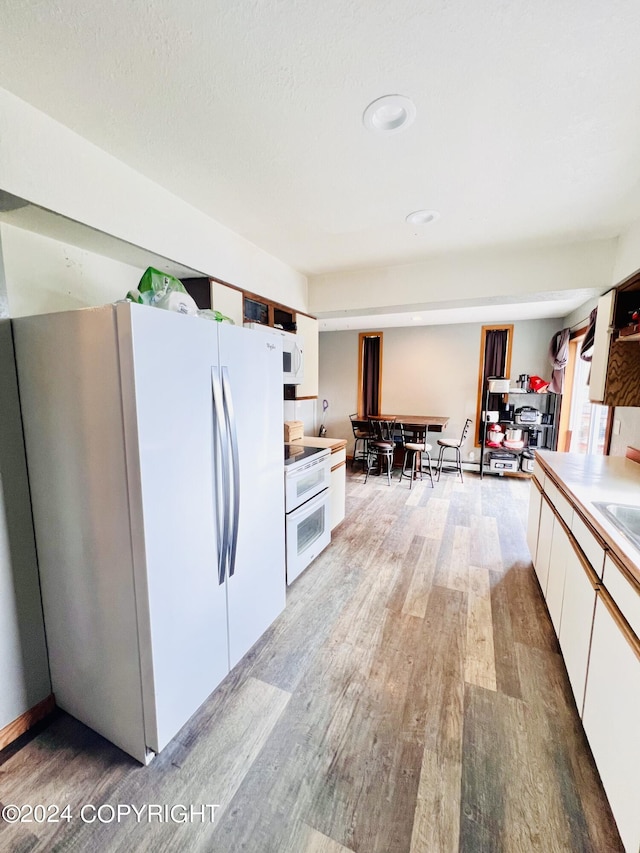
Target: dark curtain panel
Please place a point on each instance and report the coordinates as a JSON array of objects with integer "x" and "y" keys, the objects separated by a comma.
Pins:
[
  {"x": 371, "y": 376},
  {"x": 495, "y": 360}
]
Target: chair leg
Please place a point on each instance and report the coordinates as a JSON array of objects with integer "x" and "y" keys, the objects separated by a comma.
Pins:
[
  {"x": 428, "y": 455},
  {"x": 459, "y": 463},
  {"x": 389, "y": 462},
  {"x": 440, "y": 462}
]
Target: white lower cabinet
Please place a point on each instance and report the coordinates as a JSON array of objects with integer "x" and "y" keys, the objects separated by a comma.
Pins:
[
  {"x": 560, "y": 547},
  {"x": 595, "y": 610},
  {"x": 338, "y": 488},
  {"x": 578, "y": 604},
  {"x": 543, "y": 551},
  {"x": 533, "y": 520},
  {"x": 610, "y": 719}
]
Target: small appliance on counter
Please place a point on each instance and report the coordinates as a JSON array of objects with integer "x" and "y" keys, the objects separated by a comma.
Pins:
[
  {"x": 528, "y": 415},
  {"x": 527, "y": 459},
  {"x": 535, "y": 437},
  {"x": 502, "y": 460}
]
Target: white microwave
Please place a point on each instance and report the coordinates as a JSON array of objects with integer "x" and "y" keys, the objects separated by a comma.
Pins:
[{"x": 292, "y": 354}]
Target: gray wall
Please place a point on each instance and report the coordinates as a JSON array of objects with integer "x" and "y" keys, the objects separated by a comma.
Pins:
[
  {"x": 426, "y": 370},
  {"x": 24, "y": 672}
]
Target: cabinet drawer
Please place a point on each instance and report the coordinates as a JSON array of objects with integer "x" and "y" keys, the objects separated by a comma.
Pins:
[
  {"x": 338, "y": 458},
  {"x": 538, "y": 474},
  {"x": 623, "y": 593},
  {"x": 562, "y": 505},
  {"x": 592, "y": 548}
]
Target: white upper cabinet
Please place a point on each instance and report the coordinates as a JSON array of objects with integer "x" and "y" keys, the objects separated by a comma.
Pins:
[{"x": 308, "y": 332}]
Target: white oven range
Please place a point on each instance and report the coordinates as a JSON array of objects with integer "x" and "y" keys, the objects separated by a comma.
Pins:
[{"x": 307, "y": 475}]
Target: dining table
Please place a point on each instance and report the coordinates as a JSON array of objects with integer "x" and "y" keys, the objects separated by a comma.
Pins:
[{"x": 433, "y": 423}]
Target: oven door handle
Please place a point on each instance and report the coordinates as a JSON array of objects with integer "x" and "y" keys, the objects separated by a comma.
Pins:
[
  {"x": 309, "y": 506},
  {"x": 233, "y": 496},
  {"x": 220, "y": 473}
]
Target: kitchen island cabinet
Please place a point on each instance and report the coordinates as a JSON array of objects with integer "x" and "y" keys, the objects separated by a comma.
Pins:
[{"x": 589, "y": 574}]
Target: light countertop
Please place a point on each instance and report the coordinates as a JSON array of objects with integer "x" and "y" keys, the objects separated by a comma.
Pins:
[
  {"x": 589, "y": 479},
  {"x": 334, "y": 444}
]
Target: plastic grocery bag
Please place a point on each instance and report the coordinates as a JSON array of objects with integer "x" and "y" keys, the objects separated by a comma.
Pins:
[{"x": 163, "y": 291}]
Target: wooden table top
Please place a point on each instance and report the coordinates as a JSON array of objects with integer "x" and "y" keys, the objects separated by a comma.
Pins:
[{"x": 434, "y": 423}]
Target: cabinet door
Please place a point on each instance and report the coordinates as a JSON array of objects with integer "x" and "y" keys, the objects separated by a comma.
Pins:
[
  {"x": 600, "y": 358},
  {"x": 578, "y": 604},
  {"x": 610, "y": 719},
  {"x": 228, "y": 301},
  {"x": 560, "y": 548},
  {"x": 338, "y": 489},
  {"x": 533, "y": 522},
  {"x": 543, "y": 553},
  {"x": 308, "y": 332}
]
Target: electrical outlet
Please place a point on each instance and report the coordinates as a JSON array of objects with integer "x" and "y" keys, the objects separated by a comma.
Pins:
[{"x": 616, "y": 426}]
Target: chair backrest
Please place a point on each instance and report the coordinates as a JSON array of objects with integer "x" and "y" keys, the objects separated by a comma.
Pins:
[
  {"x": 359, "y": 426},
  {"x": 382, "y": 430},
  {"x": 414, "y": 434},
  {"x": 465, "y": 430}
]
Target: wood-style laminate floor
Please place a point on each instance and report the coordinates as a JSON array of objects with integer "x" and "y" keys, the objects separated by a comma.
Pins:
[{"x": 411, "y": 699}]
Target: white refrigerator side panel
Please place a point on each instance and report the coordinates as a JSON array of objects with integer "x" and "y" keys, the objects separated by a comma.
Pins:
[
  {"x": 70, "y": 395},
  {"x": 168, "y": 358},
  {"x": 257, "y": 590}
]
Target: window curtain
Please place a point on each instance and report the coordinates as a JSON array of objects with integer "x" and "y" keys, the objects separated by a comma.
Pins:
[
  {"x": 586, "y": 350},
  {"x": 495, "y": 359},
  {"x": 558, "y": 357},
  {"x": 371, "y": 376}
]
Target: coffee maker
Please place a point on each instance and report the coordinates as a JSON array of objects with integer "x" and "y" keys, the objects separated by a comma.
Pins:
[{"x": 535, "y": 437}]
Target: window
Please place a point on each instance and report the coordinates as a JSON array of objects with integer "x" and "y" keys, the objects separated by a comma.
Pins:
[{"x": 586, "y": 425}]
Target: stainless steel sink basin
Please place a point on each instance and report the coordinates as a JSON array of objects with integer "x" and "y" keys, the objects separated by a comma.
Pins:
[{"x": 625, "y": 517}]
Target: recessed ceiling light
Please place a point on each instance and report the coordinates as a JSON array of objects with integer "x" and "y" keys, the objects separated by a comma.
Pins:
[
  {"x": 422, "y": 217},
  {"x": 389, "y": 114},
  {"x": 416, "y": 319}
]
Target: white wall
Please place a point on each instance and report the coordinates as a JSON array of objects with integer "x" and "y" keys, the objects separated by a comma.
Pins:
[
  {"x": 44, "y": 275},
  {"x": 426, "y": 370},
  {"x": 497, "y": 273},
  {"x": 48, "y": 164}
]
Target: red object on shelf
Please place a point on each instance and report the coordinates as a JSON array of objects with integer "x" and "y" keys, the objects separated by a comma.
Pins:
[{"x": 537, "y": 384}]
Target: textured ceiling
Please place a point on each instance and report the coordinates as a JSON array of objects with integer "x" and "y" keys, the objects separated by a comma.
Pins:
[{"x": 527, "y": 127}]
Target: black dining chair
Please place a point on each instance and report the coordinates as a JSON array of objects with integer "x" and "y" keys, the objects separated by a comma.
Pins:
[
  {"x": 381, "y": 446},
  {"x": 361, "y": 434},
  {"x": 453, "y": 444},
  {"x": 415, "y": 446}
]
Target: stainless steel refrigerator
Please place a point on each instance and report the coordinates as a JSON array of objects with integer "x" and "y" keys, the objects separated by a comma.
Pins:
[{"x": 154, "y": 449}]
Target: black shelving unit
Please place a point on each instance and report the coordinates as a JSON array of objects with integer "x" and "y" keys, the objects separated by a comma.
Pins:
[{"x": 548, "y": 404}]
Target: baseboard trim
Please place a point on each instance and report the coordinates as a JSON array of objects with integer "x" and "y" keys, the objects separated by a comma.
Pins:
[{"x": 25, "y": 721}]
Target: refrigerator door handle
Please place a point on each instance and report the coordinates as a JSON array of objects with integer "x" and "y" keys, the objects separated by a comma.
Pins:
[
  {"x": 221, "y": 473},
  {"x": 235, "y": 467}
]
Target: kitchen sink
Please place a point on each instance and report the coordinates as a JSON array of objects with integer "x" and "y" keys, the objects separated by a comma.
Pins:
[{"x": 625, "y": 517}]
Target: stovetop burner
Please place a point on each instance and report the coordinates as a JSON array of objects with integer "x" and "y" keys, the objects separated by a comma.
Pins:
[{"x": 294, "y": 453}]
